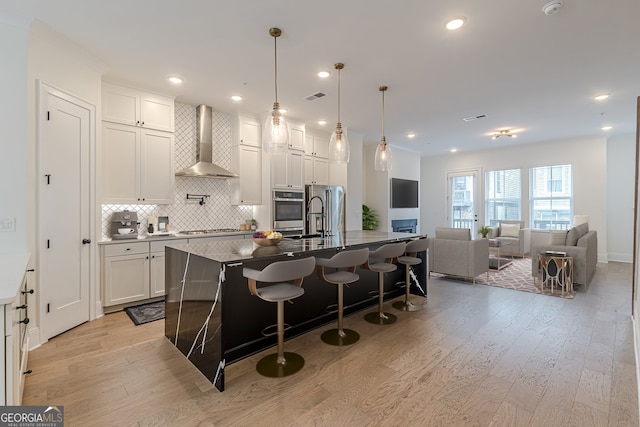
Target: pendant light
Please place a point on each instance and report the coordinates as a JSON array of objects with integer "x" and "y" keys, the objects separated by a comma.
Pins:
[
  {"x": 339, "y": 143},
  {"x": 382, "y": 160},
  {"x": 275, "y": 136}
]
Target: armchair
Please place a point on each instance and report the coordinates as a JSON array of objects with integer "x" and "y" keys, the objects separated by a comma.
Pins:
[
  {"x": 452, "y": 252},
  {"x": 515, "y": 238}
]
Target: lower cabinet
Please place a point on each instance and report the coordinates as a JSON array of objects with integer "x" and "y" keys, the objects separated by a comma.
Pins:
[{"x": 133, "y": 271}]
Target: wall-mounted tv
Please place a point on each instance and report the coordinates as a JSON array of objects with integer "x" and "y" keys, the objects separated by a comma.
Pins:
[{"x": 404, "y": 193}]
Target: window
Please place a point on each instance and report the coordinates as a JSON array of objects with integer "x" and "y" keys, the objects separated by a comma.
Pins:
[
  {"x": 502, "y": 196},
  {"x": 551, "y": 197}
]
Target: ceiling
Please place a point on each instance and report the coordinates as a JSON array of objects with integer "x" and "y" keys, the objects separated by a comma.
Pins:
[{"x": 521, "y": 68}]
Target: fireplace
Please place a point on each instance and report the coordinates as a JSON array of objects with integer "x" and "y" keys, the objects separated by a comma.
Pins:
[{"x": 404, "y": 225}]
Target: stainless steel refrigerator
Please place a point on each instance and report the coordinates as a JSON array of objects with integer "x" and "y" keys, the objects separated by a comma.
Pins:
[{"x": 325, "y": 209}]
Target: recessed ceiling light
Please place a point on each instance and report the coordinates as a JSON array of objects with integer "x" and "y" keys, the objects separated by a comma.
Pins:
[
  {"x": 236, "y": 98},
  {"x": 455, "y": 23},
  {"x": 411, "y": 135},
  {"x": 324, "y": 74},
  {"x": 601, "y": 97},
  {"x": 453, "y": 150},
  {"x": 322, "y": 122},
  {"x": 175, "y": 80},
  {"x": 283, "y": 110},
  {"x": 607, "y": 127}
]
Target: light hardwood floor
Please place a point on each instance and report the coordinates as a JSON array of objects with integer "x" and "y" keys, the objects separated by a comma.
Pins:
[{"x": 475, "y": 356}]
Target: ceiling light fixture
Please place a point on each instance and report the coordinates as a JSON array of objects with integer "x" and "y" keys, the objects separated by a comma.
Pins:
[
  {"x": 322, "y": 122},
  {"x": 175, "y": 80},
  {"x": 324, "y": 74},
  {"x": 339, "y": 143},
  {"x": 411, "y": 135},
  {"x": 276, "y": 131},
  {"x": 504, "y": 132},
  {"x": 601, "y": 97},
  {"x": 607, "y": 127},
  {"x": 236, "y": 97},
  {"x": 382, "y": 159},
  {"x": 454, "y": 150},
  {"x": 552, "y": 7},
  {"x": 455, "y": 23}
]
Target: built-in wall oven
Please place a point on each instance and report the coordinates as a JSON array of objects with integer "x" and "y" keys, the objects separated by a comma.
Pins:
[{"x": 288, "y": 211}]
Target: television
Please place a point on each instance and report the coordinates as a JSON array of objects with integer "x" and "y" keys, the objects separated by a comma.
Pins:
[{"x": 404, "y": 193}]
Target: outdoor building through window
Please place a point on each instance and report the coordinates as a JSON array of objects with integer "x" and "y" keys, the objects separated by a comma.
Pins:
[
  {"x": 502, "y": 196},
  {"x": 551, "y": 197}
]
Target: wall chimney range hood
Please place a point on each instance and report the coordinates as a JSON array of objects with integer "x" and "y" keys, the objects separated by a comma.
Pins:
[{"x": 204, "y": 168}]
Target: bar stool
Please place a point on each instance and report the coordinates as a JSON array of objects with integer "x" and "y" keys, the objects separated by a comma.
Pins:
[
  {"x": 409, "y": 259},
  {"x": 282, "y": 363},
  {"x": 348, "y": 260},
  {"x": 388, "y": 252}
]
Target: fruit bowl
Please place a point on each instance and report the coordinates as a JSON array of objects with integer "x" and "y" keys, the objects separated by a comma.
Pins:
[{"x": 267, "y": 242}]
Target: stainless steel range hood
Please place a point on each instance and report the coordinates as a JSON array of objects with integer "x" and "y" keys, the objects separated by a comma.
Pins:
[{"x": 204, "y": 168}]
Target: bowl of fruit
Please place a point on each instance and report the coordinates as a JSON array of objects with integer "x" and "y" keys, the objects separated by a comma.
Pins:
[{"x": 267, "y": 237}]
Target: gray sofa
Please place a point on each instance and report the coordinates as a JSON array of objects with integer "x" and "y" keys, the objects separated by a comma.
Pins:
[
  {"x": 452, "y": 252},
  {"x": 580, "y": 244},
  {"x": 511, "y": 245}
]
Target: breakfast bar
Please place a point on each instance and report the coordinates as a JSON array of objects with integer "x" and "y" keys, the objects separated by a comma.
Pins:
[{"x": 213, "y": 319}]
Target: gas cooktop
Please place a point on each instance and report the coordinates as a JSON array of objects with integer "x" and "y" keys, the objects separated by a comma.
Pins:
[{"x": 209, "y": 231}]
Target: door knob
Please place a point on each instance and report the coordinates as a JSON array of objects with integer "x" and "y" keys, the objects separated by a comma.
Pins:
[{"x": 86, "y": 241}]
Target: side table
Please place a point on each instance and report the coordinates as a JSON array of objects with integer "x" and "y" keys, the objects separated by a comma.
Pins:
[
  {"x": 556, "y": 270},
  {"x": 497, "y": 263}
]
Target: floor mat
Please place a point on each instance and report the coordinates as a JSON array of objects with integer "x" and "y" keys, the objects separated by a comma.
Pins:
[{"x": 146, "y": 313}]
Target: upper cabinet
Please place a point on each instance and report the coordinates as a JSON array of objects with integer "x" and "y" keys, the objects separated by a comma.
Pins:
[
  {"x": 296, "y": 136},
  {"x": 246, "y": 161},
  {"x": 121, "y": 104},
  {"x": 316, "y": 146},
  {"x": 316, "y": 159}
]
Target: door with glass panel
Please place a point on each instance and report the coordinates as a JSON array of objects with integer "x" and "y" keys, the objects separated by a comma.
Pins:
[{"x": 463, "y": 199}]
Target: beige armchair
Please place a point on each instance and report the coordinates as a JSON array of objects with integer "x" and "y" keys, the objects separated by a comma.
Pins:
[
  {"x": 515, "y": 238},
  {"x": 452, "y": 252}
]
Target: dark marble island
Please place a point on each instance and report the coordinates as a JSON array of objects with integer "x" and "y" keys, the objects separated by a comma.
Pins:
[{"x": 213, "y": 319}]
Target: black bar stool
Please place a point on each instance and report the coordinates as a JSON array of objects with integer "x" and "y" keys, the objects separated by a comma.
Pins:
[
  {"x": 388, "y": 252},
  {"x": 280, "y": 364},
  {"x": 348, "y": 260},
  {"x": 409, "y": 259}
]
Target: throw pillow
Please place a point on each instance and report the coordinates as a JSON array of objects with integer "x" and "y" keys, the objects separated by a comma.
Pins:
[
  {"x": 509, "y": 230},
  {"x": 582, "y": 229},
  {"x": 572, "y": 237},
  {"x": 558, "y": 238}
]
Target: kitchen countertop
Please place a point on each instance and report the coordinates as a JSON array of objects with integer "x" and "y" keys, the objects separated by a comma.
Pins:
[
  {"x": 12, "y": 269},
  {"x": 147, "y": 237},
  {"x": 228, "y": 251}
]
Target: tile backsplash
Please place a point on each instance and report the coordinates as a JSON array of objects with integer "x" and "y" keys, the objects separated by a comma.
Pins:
[{"x": 185, "y": 214}]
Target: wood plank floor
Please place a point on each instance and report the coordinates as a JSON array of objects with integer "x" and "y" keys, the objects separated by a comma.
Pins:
[{"x": 475, "y": 356}]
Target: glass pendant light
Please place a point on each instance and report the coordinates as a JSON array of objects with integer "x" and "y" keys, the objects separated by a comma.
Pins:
[
  {"x": 339, "y": 143},
  {"x": 275, "y": 135},
  {"x": 382, "y": 160}
]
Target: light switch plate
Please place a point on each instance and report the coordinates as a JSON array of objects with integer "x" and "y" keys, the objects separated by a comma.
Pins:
[{"x": 7, "y": 225}]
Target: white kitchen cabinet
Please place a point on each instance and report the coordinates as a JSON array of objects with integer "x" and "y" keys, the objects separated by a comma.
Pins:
[
  {"x": 316, "y": 146},
  {"x": 128, "y": 106},
  {"x": 246, "y": 161},
  {"x": 134, "y": 271},
  {"x": 157, "y": 266},
  {"x": 287, "y": 170},
  {"x": 296, "y": 136},
  {"x": 13, "y": 312},
  {"x": 316, "y": 170},
  {"x": 125, "y": 271},
  {"x": 138, "y": 165}
]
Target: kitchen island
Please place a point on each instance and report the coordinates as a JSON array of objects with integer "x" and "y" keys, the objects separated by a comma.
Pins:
[{"x": 213, "y": 319}]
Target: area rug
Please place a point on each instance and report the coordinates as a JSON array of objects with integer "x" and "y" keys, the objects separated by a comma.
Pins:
[
  {"x": 518, "y": 277},
  {"x": 146, "y": 313}
]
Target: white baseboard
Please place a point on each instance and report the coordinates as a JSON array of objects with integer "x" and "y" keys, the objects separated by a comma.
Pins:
[
  {"x": 99, "y": 310},
  {"x": 620, "y": 257},
  {"x": 636, "y": 346},
  {"x": 34, "y": 338}
]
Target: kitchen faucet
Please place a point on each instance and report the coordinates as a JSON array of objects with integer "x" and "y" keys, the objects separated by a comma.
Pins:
[{"x": 321, "y": 213}]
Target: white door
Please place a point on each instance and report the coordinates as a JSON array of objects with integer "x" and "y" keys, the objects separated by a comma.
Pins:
[
  {"x": 65, "y": 228},
  {"x": 463, "y": 199}
]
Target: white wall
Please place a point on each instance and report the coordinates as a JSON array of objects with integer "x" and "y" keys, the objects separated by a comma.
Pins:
[
  {"x": 620, "y": 196},
  {"x": 588, "y": 156},
  {"x": 406, "y": 165},
  {"x": 13, "y": 120}
]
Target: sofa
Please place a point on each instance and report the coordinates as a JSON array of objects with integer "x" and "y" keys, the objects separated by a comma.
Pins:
[
  {"x": 453, "y": 252},
  {"x": 515, "y": 239},
  {"x": 578, "y": 243}
]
